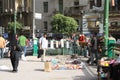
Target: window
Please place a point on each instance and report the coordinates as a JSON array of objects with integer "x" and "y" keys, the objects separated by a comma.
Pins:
[
  {"x": 92, "y": 3},
  {"x": 45, "y": 25},
  {"x": 0, "y": 6},
  {"x": 5, "y": 4},
  {"x": 61, "y": 6},
  {"x": 99, "y": 3},
  {"x": 76, "y": 3},
  {"x": 45, "y": 4}
]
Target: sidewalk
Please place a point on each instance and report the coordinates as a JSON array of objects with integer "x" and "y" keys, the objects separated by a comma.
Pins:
[{"x": 33, "y": 69}]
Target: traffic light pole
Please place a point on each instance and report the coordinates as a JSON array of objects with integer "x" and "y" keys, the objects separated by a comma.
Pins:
[{"x": 106, "y": 24}]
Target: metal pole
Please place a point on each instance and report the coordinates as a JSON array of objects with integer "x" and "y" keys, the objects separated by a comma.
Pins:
[
  {"x": 81, "y": 27},
  {"x": 15, "y": 17},
  {"x": 33, "y": 19},
  {"x": 106, "y": 22},
  {"x": 81, "y": 23}
]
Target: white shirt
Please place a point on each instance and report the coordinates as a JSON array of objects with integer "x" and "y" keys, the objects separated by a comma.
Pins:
[{"x": 44, "y": 43}]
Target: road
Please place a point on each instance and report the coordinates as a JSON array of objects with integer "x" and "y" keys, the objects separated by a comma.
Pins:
[{"x": 33, "y": 69}]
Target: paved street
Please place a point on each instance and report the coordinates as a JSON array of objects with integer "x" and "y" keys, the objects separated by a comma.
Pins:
[{"x": 33, "y": 69}]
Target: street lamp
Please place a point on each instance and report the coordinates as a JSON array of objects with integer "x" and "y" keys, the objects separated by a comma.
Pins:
[
  {"x": 33, "y": 33},
  {"x": 15, "y": 16},
  {"x": 81, "y": 26},
  {"x": 106, "y": 17}
]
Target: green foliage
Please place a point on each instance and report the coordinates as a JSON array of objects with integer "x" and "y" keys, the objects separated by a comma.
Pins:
[
  {"x": 63, "y": 24},
  {"x": 12, "y": 24}
]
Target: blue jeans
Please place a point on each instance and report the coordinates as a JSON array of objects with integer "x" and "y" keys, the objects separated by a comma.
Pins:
[
  {"x": 1, "y": 53},
  {"x": 94, "y": 55},
  {"x": 24, "y": 50}
]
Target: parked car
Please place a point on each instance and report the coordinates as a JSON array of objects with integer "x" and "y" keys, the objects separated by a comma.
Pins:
[{"x": 29, "y": 50}]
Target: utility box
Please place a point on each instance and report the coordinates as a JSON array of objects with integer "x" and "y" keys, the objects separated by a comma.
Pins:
[
  {"x": 35, "y": 47},
  {"x": 111, "y": 42}
]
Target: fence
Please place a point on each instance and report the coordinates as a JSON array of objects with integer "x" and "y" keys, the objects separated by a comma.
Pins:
[{"x": 63, "y": 48}]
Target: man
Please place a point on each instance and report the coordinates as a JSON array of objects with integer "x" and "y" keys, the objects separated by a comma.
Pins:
[
  {"x": 43, "y": 44},
  {"x": 2, "y": 45},
  {"x": 82, "y": 40},
  {"x": 74, "y": 40},
  {"x": 23, "y": 42},
  {"x": 94, "y": 49}
]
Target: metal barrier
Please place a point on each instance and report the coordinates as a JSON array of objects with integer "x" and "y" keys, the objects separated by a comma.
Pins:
[
  {"x": 116, "y": 49},
  {"x": 68, "y": 49}
]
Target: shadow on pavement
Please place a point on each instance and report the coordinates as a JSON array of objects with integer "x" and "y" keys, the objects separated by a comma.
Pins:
[
  {"x": 39, "y": 70},
  {"x": 33, "y": 61},
  {"x": 6, "y": 71}
]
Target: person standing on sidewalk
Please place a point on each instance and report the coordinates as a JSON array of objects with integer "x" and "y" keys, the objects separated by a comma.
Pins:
[
  {"x": 2, "y": 45},
  {"x": 22, "y": 40},
  {"x": 74, "y": 45},
  {"x": 14, "y": 51},
  {"x": 94, "y": 49},
  {"x": 43, "y": 44},
  {"x": 82, "y": 41}
]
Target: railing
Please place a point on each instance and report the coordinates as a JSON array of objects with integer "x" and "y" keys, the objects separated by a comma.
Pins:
[
  {"x": 116, "y": 49},
  {"x": 68, "y": 48}
]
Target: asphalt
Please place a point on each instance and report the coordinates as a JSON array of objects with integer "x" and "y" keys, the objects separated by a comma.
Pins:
[{"x": 33, "y": 69}]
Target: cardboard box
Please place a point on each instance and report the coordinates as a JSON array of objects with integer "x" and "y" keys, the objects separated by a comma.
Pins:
[{"x": 47, "y": 66}]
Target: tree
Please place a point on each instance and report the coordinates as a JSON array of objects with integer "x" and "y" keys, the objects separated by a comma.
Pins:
[
  {"x": 11, "y": 26},
  {"x": 63, "y": 24}
]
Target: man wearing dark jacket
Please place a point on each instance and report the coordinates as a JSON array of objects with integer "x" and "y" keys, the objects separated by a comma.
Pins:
[{"x": 94, "y": 49}]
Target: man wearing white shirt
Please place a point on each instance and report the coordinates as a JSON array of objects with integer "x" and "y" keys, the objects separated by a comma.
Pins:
[{"x": 43, "y": 44}]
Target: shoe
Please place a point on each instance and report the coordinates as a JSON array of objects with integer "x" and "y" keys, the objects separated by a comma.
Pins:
[
  {"x": 14, "y": 71},
  {"x": 90, "y": 64}
]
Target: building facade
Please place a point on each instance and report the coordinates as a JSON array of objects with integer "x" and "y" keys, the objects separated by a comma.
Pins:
[
  {"x": 88, "y": 13},
  {"x": 24, "y": 13},
  {"x": 82, "y": 10}
]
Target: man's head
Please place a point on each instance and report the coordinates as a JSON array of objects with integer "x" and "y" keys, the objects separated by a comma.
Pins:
[
  {"x": 95, "y": 34},
  {"x": 45, "y": 35}
]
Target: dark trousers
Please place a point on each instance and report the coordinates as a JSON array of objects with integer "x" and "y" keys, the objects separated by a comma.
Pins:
[
  {"x": 14, "y": 57},
  {"x": 1, "y": 53},
  {"x": 94, "y": 55}
]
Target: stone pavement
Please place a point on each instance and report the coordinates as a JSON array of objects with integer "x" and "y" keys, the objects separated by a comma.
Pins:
[{"x": 33, "y": 69}]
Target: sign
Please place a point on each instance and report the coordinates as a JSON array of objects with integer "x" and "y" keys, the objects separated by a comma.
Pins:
[{"x": 38, "y": 16}]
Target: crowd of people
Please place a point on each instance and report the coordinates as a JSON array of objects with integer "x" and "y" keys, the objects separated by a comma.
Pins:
[{"x": 90, "y": 46}]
